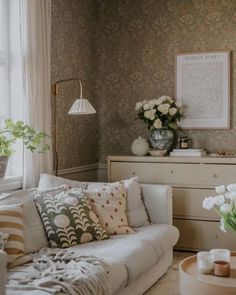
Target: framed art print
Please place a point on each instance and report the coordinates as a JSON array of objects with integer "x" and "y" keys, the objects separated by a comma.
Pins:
[{"x": 202, "y": 85}]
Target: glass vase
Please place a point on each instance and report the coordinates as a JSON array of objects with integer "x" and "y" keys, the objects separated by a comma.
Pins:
[{"x": 161, "y": 139}]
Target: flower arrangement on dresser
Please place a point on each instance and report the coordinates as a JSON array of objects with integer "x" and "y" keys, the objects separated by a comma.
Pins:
[
  {"x": 224, "y": 205},
  {"x": 161, "y": 115}
]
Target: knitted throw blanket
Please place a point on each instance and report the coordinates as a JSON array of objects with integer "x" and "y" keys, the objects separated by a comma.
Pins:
[{"x": 60, "y": 271}]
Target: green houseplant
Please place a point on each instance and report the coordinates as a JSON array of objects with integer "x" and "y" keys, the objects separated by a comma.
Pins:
[{"x": 10, "y": 132}]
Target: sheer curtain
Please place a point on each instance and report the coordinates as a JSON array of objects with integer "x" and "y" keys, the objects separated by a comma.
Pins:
[
  {"x": 35, "y": 58},
  {"x": 11, "y": 88}
]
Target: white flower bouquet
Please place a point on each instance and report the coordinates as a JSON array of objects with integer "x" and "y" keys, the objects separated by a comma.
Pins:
[
  {"x": 159, "y": 113},
  {"x": 225, "y": 205}
]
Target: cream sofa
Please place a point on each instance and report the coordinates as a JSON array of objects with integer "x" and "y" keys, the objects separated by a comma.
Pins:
[{"x": 136, "y": 261}]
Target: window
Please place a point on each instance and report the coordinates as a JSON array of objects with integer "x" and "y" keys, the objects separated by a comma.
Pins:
[{"x": 11, "y": 88}]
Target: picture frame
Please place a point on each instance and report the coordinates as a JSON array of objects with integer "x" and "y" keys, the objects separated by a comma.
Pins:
[{"x": 202, "y": 86}]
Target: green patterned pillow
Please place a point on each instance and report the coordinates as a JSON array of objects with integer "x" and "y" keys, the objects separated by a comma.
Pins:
[{"x": 68, "y": 218}]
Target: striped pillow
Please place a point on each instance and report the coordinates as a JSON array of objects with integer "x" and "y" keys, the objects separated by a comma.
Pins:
[{"x": 11, "y": 222}]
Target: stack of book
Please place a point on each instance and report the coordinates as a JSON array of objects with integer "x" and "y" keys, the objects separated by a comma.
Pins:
[{"x": 187, "y": 153}]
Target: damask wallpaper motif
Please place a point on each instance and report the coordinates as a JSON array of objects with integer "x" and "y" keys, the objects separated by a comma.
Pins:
[
  {"x": 124, "y": 51},
  {"x": 73, "y": 47},
  {"x": 138, "y": 40}
]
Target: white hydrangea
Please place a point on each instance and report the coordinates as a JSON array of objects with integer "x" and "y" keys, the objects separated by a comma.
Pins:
[
  {"x": 172, "y": 111},
  {"x": 164, "y": 108},
  {"x": 138, "y": 106},
  {"x": 157, "y": 124}
]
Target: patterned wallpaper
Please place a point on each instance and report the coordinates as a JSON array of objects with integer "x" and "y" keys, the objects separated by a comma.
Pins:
[
  {"x": 137, "y": 44},
  {"x": 124, "y": 51},
  {"x": 73, "y": 43}
]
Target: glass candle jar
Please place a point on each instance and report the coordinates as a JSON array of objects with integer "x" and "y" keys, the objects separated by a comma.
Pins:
[
  {"x": 221, "y": 254},
  {"x": 183, "y": 142},
  {"x": 205, "y": 262}
]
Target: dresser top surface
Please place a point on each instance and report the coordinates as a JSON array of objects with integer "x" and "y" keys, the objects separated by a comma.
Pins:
[{"x": 167, "y": 159}]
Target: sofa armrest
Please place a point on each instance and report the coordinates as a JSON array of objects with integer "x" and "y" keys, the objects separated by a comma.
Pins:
[
  {"x": 158, "y": 202},
  {"x": 3, "y": 270}
]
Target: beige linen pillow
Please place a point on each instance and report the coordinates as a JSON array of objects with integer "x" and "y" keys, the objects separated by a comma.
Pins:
[
  {"x": 109, "y": 204},
  {"x": 11, "y": 222}
]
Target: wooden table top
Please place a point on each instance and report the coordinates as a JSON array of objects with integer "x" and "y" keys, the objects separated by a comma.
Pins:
[{"x": 206, "y": 283}]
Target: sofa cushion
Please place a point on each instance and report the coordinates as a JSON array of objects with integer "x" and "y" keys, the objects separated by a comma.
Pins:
[
  {"x": 11, "y": 223},
  {"x": 109, "y": 204},
  {"x": 34, "y": 234},
  {"x": 48, "y": 181},
  {"x": 138, "y": 252},
  {"x": 68, "y": 218}
]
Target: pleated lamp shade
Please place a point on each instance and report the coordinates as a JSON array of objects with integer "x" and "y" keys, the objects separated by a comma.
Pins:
[{"x": 81, "y": 106}]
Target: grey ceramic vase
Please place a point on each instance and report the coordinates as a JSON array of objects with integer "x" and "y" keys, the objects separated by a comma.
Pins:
[
  {"x": 3, "y": 165},
  {"x": 162, "y": 139}
]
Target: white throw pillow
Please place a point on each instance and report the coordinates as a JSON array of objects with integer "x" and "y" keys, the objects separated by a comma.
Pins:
[
  {"x": 48, "y": 182},
  {"x": 136, "y": 212}
]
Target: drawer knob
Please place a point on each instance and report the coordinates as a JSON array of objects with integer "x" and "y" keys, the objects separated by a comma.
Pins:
[
  {"x": 215, "y": 175},
  {"x": 172, "y": 171},
  {"x": 133, "y": 173},
  {"x": 215, "y": 236}
]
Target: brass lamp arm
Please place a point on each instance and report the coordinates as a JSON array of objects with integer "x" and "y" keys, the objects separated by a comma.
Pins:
[{"x": 55, "y": 86}]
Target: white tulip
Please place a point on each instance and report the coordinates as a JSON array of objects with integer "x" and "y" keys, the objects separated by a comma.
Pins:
[
  {"x": 219, "y": 200},
  {"x": 138, "y": 106},
  {"x": 226, "y": 208},
  {"x": 222, "y": 225},
  {"x": 231, "y": 195},
  {"x": 208, "y": 203},
  {"x": 231, "y": 187},
  {"x": 220, "y": 189}
]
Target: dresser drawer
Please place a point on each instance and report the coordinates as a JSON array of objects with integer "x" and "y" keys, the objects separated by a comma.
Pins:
[
  {"x": 203, "y": 235},
  {"x": 175, "y": 174},
  {"x": 187, "y": 203}
]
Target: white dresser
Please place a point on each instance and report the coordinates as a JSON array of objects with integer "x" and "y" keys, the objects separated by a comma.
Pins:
[{"x": 192, "y": 179}]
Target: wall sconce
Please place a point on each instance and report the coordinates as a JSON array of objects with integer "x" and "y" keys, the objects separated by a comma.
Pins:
[{"x": 81, "y": 106}]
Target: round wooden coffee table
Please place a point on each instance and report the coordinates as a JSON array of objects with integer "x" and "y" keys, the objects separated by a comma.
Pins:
[{"x": 194, "y": 283}]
